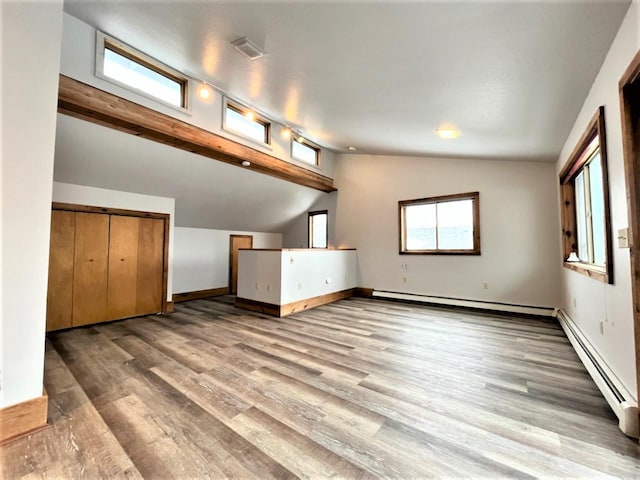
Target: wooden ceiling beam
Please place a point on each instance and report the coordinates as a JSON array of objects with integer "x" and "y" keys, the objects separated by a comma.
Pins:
[{"x": 83, "y": 101}]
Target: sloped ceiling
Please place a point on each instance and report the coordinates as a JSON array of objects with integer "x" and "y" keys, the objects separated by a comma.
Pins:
[
  {"x": 382, "y": 75},
  {"x": 208, "y": 193}
]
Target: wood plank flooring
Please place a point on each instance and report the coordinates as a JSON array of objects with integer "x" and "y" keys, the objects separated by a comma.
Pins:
[{"x": 357, "y": 389}]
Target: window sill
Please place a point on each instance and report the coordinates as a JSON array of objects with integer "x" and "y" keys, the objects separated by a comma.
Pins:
[{"x": 591, "y": 271}]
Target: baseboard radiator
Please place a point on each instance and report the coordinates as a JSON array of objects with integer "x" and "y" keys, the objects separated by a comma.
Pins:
[
  {"x": 616, "y": 395},
  {"x": 466, "y": 303}
]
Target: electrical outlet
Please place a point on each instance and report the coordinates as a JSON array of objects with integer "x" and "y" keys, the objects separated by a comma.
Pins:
[
  {"x": 299, "y": 286},
  {"x": 601, "y": 327},
  {"x": 404, "y": 279},
  {"x": 485, "y": 286},
  {"x": 268, "y": 287},
  {"x": 257, "y": 288},
  {"x": 574, "y": 302}
]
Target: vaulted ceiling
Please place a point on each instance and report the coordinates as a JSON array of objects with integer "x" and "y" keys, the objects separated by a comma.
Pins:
[{"x": 382, "y": 75}]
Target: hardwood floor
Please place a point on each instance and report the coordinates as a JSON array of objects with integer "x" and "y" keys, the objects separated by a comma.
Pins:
[{"x": 357, "y": 389}]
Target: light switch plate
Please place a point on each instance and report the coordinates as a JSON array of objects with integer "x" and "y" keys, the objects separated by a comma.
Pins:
[{"x": 623, "y": 238}]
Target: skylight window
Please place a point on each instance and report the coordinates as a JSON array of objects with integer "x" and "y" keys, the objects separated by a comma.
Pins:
[
  {"x": 305, "y": 151},
  {"x": 134, "y": 70}
]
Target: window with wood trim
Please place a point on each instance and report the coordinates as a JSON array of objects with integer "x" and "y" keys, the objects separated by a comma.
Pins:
[
  {"x": 448, "y": 225},
  {"x": 586, "y": 219},
  {"x": 121, "y": 64},
  {"x": 244, "y": 121},
  {"x": 319, "y": 229},
  {"x": 305, "y": 151}
]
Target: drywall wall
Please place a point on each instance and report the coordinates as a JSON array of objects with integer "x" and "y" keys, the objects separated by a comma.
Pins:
[
  {"x": 260, "y": 275},
  {"x": 101, "y": 197},
  {"x": 589, "y": 302},
  {"x": 30, "y": 35},
  {"x": 296, "y": 232},
  {"x": 287, "y": 276},
  {"x": 201, "y": 259},
  {"x": 78, "y": 61},
  {"x": 518, "y": 225},
  {"x": 312, "y": 273}
]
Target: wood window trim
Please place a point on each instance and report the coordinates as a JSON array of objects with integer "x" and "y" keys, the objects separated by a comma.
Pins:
[
  {"x": 629, "y": 91},
  {"x": 242, "y": 110},
  {"x": 310, "y": 215},
  {"x": 105, "y": 42},
  {"x": 86, "y": 102},
  {"x": 579, "y": 156},
  {"x": 474, "y": 196},
  {"x": 310, "y": 144},
  {"x": 71, "y": 207}
]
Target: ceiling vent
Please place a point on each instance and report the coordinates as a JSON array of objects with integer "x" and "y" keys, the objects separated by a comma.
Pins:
[{"x": 248, "y": 48}]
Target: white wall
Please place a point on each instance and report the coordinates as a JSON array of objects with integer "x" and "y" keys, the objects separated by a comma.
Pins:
[
  {"x": 30, "y": 60},
  {"x": 311, "y": 273},
  {"x": 260, "y": 275},
  {"x": 102, "y": 197},
  {"x": 518, "y": 225},
  {"x": 595, "y": 301},
  {"x": 201, "y": 260},
  {"x": 78, "y": 61},
  {"x": 296, "y": 232},
  {"x": 286, "y": 276}
]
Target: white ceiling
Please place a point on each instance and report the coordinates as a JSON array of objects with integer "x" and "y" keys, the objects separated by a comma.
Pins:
[
  {"x": 209, "y": 194},
  {"x": 383, "y": 75}
]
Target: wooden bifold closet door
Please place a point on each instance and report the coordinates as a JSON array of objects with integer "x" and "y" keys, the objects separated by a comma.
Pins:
[{"x": 103, "y": 267}]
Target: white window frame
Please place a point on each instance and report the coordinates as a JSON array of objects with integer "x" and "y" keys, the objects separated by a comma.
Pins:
[{"x": 103, "y": 40}]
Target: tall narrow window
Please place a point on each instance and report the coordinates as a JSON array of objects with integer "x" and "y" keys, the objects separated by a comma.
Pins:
[
  {"x": 319, "y": 229},
  {"x": 136, "y": 71},
  {"x": 245, "y": 122},
  {"x": 305, "y": 151},
  {"x": 585, "y": 210},
  {"x": 441, "y": 225}
]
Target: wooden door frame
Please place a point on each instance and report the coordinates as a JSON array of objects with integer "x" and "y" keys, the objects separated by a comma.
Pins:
[
  {"x": 165, "y": 217},
  {"x": 231, "y": 237},
  {"x": 631, "y": 115}
]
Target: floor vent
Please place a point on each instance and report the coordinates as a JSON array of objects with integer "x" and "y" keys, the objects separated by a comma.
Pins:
[{"x": 616, "y": 395}]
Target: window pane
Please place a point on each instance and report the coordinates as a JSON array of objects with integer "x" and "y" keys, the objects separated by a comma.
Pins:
[
  {"x": 455, "y": 225},
  {"x": 581, "y": 218},
  {"x": 420, "y": 221},
  {"x": 237, "y": 122},
  {"x": 597, "y": 210},
  {"x": 319, "y": 230},
  {"x": 304, "y": 153},
  {"x": 138, "y": 76}
]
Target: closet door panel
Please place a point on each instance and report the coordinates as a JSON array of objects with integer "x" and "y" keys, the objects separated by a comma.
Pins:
[
  {"x": 90, "y": 268},
  {"x": 150, "y": 266},
  {"x": 60, "y": 288},
  {"x": 123, "y": 266}
]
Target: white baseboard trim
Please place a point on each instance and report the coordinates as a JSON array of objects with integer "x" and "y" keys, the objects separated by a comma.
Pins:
[
  {"x": 461, "y": 302},
  {"x": 615, "y": 393}
]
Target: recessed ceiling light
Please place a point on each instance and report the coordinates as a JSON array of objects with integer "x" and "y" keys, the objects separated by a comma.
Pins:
[
  {"x": 447, "y": 132},
  {"x": 246, "y": 163},
  {"x": 286, "y": 133},
  {"x": 351, "y": 148}
]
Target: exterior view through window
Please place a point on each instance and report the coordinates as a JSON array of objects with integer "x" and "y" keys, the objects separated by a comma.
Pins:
[
  {"x": 246, "y": 123},
  {"x": 134, "y": 70},
  {"x": 318, "y": 229},
  {"x": 586, "y": 223},
  {"x": 304, "y": 152},
  {"x": 447, "y": 224}
]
